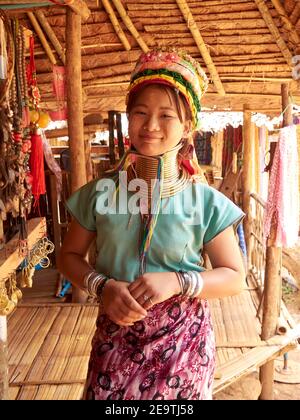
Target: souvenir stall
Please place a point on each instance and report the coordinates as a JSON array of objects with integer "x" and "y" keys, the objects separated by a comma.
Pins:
[{"x": 23, "y": 241}]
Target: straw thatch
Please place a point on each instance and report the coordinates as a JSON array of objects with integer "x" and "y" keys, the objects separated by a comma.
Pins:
[{"x": 245, "y": 46}]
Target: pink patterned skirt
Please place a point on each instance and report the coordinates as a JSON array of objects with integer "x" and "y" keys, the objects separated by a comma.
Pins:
[{"x": 169, "y": 355}]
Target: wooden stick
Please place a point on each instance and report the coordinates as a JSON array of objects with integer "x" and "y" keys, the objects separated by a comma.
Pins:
[
  {"x": 51, "y": 35},
  {"x": 264, "y": 10},
  {"x": 116, "y": 25},
  {"x": 41, "y": 36},
  {"x": 192, "y": 25},
  {"x": 130, "y": 26}
]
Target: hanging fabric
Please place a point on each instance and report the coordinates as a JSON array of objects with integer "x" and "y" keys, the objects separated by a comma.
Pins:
[
  {"x": 36, "y": 163},
  {"x": 283, "y": 194},
  {"x": 59, "y": 90}
]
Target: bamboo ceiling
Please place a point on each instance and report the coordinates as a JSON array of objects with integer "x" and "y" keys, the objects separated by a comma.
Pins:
[{"x": 246, "y": 47}]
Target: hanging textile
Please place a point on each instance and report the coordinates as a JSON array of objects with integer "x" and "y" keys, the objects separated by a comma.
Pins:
[
  {"x": 283, "y": 195},
  {"x": 52, "y": 164},
  {"x": 59, "y": 90},
  {"x": 36, "y": 162},
  {"x": 233, "y": 140}
]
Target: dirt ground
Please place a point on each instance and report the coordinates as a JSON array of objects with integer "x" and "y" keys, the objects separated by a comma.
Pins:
[{"x": 248, "y": 388}]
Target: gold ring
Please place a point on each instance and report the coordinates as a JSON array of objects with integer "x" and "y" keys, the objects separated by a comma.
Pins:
[{"x": 150, "y": 300}]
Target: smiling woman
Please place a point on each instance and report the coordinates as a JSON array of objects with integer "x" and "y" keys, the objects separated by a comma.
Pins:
[
  {"x": 154, "y": 337},
  {"x": 157, "y": 120}
]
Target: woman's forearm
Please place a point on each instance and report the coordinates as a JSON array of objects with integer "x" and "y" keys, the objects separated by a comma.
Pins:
[
  {"x": 74, "y": 267},
  {"x": 221, "y": 282}
]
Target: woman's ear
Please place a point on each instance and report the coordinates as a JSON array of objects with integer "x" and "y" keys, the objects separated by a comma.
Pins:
[{"x": 187, "y": 128}]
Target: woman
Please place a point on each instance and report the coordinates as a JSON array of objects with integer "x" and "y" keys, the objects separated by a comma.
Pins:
[{"x": 154, "y": 337}]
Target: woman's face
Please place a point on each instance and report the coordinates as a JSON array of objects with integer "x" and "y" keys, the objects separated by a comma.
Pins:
[{"x": 154, "y": 124}]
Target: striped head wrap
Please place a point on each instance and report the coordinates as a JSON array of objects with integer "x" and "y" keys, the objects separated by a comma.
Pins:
[{"x": 176, "y": 69}]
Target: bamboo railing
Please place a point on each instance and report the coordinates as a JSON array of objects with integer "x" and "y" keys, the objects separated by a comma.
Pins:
[{"x": 257, "y": 251}]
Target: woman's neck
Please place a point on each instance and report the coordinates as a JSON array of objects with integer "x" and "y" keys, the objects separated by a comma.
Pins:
[{"x": 147, "y": 168}]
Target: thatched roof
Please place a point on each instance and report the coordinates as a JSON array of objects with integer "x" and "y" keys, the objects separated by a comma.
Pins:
[{"x": 245, "y": 46}]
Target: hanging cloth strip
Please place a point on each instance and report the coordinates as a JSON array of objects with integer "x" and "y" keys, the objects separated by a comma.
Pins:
[{"x": 283, "y": 195}]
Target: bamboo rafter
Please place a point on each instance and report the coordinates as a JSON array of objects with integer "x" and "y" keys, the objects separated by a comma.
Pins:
[
  {"x": 192, "y": 25},
  {"x": 114, "y": 20},
  {"x": 51, "y": 35},
  {"x": 130, "y": 26},
  {"x": 295, "y": 13},
  {"x": 41, "y": 36},
  {"x": 286, "y": 21},
  {"x": 264, "y": 10}
]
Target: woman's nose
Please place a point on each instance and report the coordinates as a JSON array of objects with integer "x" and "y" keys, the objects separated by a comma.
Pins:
[{"x": 152, "y": 123}]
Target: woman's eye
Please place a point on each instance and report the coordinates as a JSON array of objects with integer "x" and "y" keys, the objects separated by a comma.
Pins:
[{"x": 167, "y": 116}]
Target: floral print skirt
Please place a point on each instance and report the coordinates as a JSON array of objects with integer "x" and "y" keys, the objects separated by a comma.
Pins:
[{"x": 169, "y": 355}]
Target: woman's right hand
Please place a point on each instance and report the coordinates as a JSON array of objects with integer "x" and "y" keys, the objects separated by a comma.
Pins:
[{"x": 119, "y": 305}]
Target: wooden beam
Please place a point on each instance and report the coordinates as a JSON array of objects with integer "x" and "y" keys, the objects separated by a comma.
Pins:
[
  {"x": 51, "y": 35},
  {"x": 264, "y": 10},
  {"x": 294, "y": 16},
  {"x": 192, "y": 25},
  {"x": 75, "y": 113},
  {"x": 3, "y": 359},
  {"x": 272, "y": 284},
  {"x": 41, "y": 36},
  {"x": 74, "y": 100},
  {"x": 80, "y": 8},
  {"x": 130, "y": 26},
  {"x": 247, "y": 177},
  {"x": 295, "y": 38},
  {"x": 114, "y": 20}
]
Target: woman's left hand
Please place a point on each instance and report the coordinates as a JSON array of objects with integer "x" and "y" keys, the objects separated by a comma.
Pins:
[{"x": 152, "y": 288}]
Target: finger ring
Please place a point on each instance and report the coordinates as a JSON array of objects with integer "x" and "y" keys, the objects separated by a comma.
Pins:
[
  {"x": 145, "y": 297},
  {"x": 151, "y": 301}
]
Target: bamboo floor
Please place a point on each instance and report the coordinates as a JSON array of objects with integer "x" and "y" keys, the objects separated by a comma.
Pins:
[{"x": 49, "y": 342}]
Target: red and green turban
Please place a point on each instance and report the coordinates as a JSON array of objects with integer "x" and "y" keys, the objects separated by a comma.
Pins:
[{"x": 176, "y": 69}]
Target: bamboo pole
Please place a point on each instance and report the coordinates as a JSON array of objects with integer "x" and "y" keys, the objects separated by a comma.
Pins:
[
  {"x": 41, "y": 36},
  {"x": 264, "y": 10},
  {"x": 75, "y": 111},
  {"x": 286, "y": 21},
  {"x": 192, "y": 25},
  {"x": 51, "y": 35},
  {"x": 272, "y": 286},
  {"x": 130, "y": 26},
  {"x": 247, "y": 178},
  {"x": 80, "y": 8},
  {"x": 116, "y": 25},
  {"x": 3, "y": 359}
]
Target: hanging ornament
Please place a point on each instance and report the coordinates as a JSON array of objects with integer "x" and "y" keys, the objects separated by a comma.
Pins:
[
  {"x": 36, "y": 163},
  {"x": 44, "y": 120}
]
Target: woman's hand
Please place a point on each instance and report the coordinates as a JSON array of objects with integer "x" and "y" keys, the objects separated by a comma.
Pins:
[
  {"x": 119, "y": 305},
  {"x": 152, "y": 288}
]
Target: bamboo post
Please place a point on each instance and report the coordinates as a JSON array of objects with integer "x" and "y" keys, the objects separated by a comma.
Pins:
[
  {"x": 41, "y": 36},
  {"x": 80, "y": 8},
  {"x": 272, "y": 284},
  {"x": 111, "y": 129},
  {"x": 51, "y": 35},
  {"x": 120, "y": 135},
  {"x": 75, "y": 112},
  {"x": 247, "y": 178},
  {"x": 3, "y": 359},
  {"x": 116, "y": 25},
  {"x": 130, "y": 26},
  {"x": 192, "y": 25}
]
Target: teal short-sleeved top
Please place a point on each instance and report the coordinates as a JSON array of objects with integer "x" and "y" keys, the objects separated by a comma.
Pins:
[{"x": 186, "y": 221}]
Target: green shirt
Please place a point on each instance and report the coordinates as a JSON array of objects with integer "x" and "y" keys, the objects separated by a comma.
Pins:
[{"x": 185, "y": 223}]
